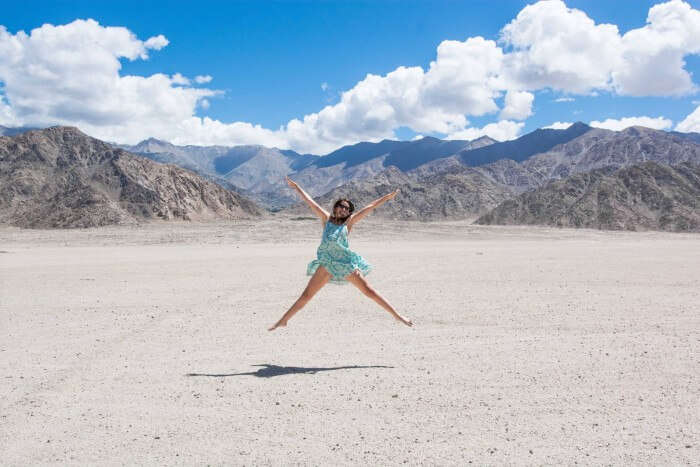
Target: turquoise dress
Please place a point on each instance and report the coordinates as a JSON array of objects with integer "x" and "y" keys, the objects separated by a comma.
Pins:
[{"x": 334, "y": 255}]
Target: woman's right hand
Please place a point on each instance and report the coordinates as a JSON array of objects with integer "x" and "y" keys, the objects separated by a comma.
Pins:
[
  {"x": 392, "y": 194},
  {"x": 290, "y": 182}
]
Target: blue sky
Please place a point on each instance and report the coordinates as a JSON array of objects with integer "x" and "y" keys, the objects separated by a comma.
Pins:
[{"x": 268, "y": 60}]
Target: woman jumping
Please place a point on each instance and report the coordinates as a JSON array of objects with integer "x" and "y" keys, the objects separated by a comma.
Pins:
[{"x": 335, "y": 261}]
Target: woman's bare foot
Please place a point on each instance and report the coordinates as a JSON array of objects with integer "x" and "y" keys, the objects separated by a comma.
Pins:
[{"x": 278, "y": 324}]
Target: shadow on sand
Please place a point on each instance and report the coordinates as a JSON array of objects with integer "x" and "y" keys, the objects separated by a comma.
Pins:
[{"x": 267, "y": 371}]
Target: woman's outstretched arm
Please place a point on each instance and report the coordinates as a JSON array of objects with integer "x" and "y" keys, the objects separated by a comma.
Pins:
[
  {"x": 370, "y": 207},
  {"x": 318, "y": 210}
]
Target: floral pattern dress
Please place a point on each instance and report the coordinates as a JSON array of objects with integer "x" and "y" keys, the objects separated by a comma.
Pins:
[{"x": 334, "y": 254}]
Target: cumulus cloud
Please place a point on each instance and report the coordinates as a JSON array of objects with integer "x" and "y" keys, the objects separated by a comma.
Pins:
[
  {"x": 558, "y": 125},
  {"x": 518, "y": 105},
  {"x": 156, "y": 42},
  {"x": 691, "y": 123},
  {"x": 657, "y": 123},
  {"x": 7, "y": 116},
  {"x": 69, "y": 75},
  {"x": 501, "y": 131},
  {"x": 177, "y": 78},
  {"x": 652, "y": 56},
  {"x": 560, "y": 48},
  {"x": 202, "y": 79}
]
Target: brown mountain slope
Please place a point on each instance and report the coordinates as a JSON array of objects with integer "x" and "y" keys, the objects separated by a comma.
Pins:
[
  {"x": 60, "y": 177},
  {"x": 604, "y": 148},
  {"x": 595, "y": 149},
  {"x": 646, "y": 196}
]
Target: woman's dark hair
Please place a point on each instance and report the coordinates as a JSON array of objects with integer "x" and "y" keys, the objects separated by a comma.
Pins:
[{"x": 341, "y": 220}]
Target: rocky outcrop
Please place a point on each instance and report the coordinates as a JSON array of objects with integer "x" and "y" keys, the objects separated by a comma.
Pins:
[
  {"x": 60, "y": 177},
  {"x": 646, "y": 196}
]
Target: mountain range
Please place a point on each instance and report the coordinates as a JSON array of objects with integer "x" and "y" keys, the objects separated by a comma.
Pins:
[
  {"x": 258, "y": 172},
  {"x": 446, "y": 189},
  {"x": 439, "y": 180}
]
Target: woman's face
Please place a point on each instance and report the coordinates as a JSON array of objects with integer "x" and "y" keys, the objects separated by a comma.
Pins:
[{"x": 341, "y": 209}]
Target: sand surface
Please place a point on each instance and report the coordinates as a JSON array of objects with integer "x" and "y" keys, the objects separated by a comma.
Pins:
[{"x": 149, "y": 345}]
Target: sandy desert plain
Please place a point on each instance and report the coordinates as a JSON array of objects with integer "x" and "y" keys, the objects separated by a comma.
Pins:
[{"x": 531, "y": 345}]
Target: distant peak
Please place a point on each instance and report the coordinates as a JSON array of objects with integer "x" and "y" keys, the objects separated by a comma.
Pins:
[
  {"x": 153, "y": 140},
  {"x": 578, "y": 125},
  {"x": 60, "y": 131},
  {"x": 636, "y": 130}
]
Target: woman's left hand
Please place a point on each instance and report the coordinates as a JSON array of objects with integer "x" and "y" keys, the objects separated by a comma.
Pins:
[{"x": 392, "y": 194}]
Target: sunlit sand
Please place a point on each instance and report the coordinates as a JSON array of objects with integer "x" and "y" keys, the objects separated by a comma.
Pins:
[{"x": 134, "y": 345}]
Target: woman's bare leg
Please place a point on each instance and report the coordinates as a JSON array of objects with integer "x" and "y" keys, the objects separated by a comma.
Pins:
[
  {"x": 358, "y": 281},
  {"x": 318, "y": 280}
]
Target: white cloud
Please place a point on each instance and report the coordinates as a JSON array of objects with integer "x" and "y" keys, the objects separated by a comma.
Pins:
[
  {"x": 691, "y": 123},
  {"x": 518, "y": 105},
  {"x": 560, "y": 48},
  {"x": 7, "y": 115},
  {"x": 202, "y": 79},
  {"x": 177, "y": 78},
  {"x": 324, "y": 86},
  {"x": 564, "y": 99},
  {"x": 417, "y": 137},
  {"x": 156, "y": 42},
  {"x": 70, "y": 75},
  {"x": 657, "y": 123},
  {"x": 558, "y": 125},
  {"x": 501, "y": 131},
  {"x": 653, "y": 55},
  {"x": 463, "y": 79}
]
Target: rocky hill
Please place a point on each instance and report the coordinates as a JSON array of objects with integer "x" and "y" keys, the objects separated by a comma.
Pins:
[
  {"x": 60, "y": 177},
  {"x": 253, "y": 171},
  {"x": 594, "y": 149},
  {"x": 443, "y": 196},
  {"x": 604, "y": 148},
  {"x": 644, "y": 196}
]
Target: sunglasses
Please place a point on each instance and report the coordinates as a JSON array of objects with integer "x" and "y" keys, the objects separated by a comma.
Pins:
[{"x": 345, "y": 206}]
